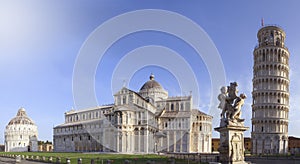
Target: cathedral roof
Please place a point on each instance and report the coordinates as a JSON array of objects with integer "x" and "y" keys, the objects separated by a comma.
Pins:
[
  {"x": 151, "y": 84},
  {"x": 198, "y": 112},
  {"x": 21, "y": 118}
]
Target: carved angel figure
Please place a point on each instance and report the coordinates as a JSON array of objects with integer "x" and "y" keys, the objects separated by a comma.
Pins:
[{"x": 222, "y": 98}]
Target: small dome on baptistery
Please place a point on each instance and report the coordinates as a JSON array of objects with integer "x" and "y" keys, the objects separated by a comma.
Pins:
[{"x": 21, "y": 118}]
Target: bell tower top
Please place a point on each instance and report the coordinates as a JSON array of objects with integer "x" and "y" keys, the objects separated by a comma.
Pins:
[{"x": 271, "y": 35}]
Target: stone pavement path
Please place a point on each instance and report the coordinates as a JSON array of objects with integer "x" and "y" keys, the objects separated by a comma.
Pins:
[{"x": 13, "y": 161}]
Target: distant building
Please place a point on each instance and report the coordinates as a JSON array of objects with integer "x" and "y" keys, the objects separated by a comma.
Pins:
[
  {"x": 45, "y": 146},
  {"x": 21, "y": 134},
  {"x": 138, "y": 122},
  {"x": 2, "y": 148},
  {"x": 216, "y": 143},
  {"x": 270, "y": 106},
  {"x": 247, "y": 144},
  {"x": 294, "y": 145}
]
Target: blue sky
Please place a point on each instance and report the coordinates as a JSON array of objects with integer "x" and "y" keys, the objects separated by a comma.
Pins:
[{"x": 40, "y": 41}]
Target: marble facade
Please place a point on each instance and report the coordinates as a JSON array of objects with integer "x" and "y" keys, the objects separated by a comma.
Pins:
[{"x": 147, "y": 121}]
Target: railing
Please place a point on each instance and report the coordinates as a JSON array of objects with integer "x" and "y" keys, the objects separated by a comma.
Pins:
[
  {"x": 275, "y": 25},
  {"x": 271, "y": 45},
  {"x": 199, "y": 157}
]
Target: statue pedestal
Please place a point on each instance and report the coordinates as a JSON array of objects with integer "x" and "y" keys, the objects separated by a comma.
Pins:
[{"x": 232, "y": 144}]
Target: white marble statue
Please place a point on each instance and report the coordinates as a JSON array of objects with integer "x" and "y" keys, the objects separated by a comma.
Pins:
[
  {"x": 239, "y": 102},
  {"x": 222, "y": 98},
  {"x": 231, "y": 104}
]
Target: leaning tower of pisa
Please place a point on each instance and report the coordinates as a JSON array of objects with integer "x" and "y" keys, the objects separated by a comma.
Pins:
[{"x": 270, "y": 106}]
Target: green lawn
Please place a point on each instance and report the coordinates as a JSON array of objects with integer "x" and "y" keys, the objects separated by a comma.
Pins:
[{"x": 87, "y": 157}]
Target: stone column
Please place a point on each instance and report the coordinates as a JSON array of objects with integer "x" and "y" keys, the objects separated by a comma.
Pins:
[
  {"x": 188, "y": 141},
  {"x": 181, "y": 135},
  {"x": 168, "y": 141},
  {"x": 139, "y": 140}
]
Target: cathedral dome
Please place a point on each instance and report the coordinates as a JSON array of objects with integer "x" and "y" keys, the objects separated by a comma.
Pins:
[
  {"x": 21, "y": 118},
  {"x": 151, "y": 84},
  {"x": 153, "y": 91}
]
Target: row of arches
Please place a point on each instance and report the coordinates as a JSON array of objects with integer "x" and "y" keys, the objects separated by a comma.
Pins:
[
  {"x": 175, "y": 141},
  {"x": 201, "y": 127},
  {"x": 269, "y": 128},
  {"x": 271, "y": 107},
  {"x": 139, "y": 117},
  {"x": 202, "y": 118},
  {"x": 175, "y": 123},
  {"x": 178, "y": 106},
  {"x": 271, "y": 86},
  {"x": 92, "y": 114},
  {"x": 269, "y": 83},
  {"x": 269, "y": 137},
  {"x": 278, "y": 55},
  {"x": 269, "y": 146},
  {"x": 143, "y": 130},
  {"x": 271, "y": 32},
  {"x": 201, "y": 143},
  {"x": 271, "y": 66},
  {"x": 270, "y": 121},
  {"x": 119, "y": 141},
  {"x": 271, "y": 72},
  {"x": 277, "y": 80},
  {"x": 272, "y": 114},
  {"x": 271, "y": 93},
  {"x": 271, "y": 50},
  {"x": 270, "y": 97},
  {"x": 20, "y": 128}
]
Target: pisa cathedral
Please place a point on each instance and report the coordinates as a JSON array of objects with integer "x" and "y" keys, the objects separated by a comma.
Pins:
[
  {"x": 270, "y": 106},
  {"x": 147, "y": 121}
]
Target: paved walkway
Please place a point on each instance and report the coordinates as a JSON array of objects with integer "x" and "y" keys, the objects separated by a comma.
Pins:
[
  {"x": 13, "y": 161},
  {"x": 261, "y": 161},
  {"x": 279, "y": 160}
]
